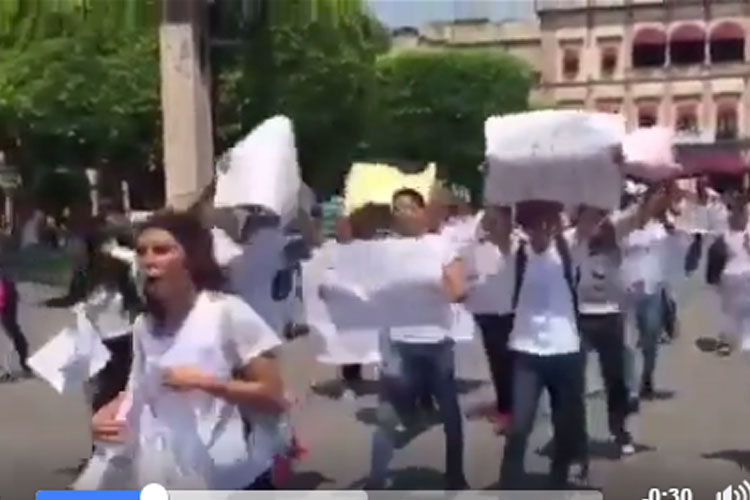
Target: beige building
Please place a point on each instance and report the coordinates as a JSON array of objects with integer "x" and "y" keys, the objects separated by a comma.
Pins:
[{"x": 680, "y": 63}]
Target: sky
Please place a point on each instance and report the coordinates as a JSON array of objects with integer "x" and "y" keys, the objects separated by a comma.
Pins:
[{"x": 398, "y": 13}]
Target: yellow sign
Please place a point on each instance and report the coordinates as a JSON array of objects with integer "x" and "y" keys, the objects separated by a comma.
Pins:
[{"x": 376, "y": 183}]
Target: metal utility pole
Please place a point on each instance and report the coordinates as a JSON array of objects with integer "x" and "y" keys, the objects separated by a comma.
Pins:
[{"x": 186, "y": 100}]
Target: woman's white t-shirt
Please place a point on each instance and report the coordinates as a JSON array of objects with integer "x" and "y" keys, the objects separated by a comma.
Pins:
[{"x": 204, "y": 437}]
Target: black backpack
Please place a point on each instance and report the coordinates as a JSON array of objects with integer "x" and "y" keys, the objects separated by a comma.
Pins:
[
  {"x": 572, "y": 276},
  {"x": 717, "y": 257}
]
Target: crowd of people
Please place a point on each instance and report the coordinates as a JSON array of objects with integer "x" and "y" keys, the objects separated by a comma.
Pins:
[{"x": 193, "y": 397}]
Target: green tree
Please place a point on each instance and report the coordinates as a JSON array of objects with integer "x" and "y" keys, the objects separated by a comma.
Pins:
[
  {"x": 79, "y": 83},
  {"x": 431, "y": 106},
  {"x": 312, "y": 60}
]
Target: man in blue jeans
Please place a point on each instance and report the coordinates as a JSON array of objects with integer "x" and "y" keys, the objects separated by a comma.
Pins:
[{"x": 420, "y": 357}]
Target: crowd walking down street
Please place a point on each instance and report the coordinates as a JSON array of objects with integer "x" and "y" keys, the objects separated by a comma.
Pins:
[{"x": 560, "y": 338}]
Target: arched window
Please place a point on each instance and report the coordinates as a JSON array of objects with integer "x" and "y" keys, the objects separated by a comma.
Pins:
[
  {"x": 687, "y": 45},
  {"x": 570, "y": 63},
  {"x": 726, "y": 121},
  {"x": 687, "y": 119},
  {"x": 609, "y": 61},
  {"x": 647, "y": 115},
  {"x": 649, "y": 48},
  {"x": 727, "y": 43}
]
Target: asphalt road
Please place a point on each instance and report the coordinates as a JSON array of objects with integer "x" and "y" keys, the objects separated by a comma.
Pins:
[{"x": 694, "y": 436}]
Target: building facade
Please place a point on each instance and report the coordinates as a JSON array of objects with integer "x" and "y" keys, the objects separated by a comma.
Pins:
[{"x": 678, "y": 63}]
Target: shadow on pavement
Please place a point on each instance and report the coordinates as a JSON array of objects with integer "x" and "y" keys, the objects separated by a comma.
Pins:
[
  {"x": 410, "y": 478},
  {"x": 661, "y": 395},
  {"x": 598, "y": 448},
  {"x": 707, "y": 344},
  {"x": 531, "y": 481},
  {"x": 422, "y": 423},
  {"x": 307, "y": 481},
  {"x": 738, "y": 457}
]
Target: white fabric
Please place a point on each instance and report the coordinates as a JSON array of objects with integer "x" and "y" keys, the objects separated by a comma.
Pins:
[
  {"x": 30, "y": 231},
  {"x": 262, "y": 169},
  {"x": 463, "y": 327},
  {"x": 105, "y": 309},
  {"x": 71, "y": 357},
  {"x": 188, "y": 440},
  {"x": 460, "y": 324},
  {"x": 649, "y": 154},
  {"x": 545, "y": 322},
  {"x": 393, "y": 282},
  {"x": 643, "y": 259},
  {"x": 564, "y": 156},
  {"x": 600, "y": 286},
  {"x": 491, "y": 276},
  {"x": 734, "y": 288},
  {"x": 336, "y": 347}
]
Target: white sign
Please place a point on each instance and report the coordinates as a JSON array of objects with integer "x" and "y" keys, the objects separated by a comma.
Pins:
[{"x": 262, "y": 169}]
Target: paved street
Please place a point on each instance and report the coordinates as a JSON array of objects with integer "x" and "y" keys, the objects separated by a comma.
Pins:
[{"x": 694, "y": 436}]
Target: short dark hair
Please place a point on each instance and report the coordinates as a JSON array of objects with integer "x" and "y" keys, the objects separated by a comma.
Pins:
[
  {"x": 410, "y": 193},
  {"x": 196, "y": 240}
]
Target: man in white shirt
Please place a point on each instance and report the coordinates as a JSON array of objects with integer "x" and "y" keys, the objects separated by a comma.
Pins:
[
  {"x": 546, "y": 347},
  {"x": 545, "y": 337},
  {"x": 426, "y": 358},
  {"x": 491, "y": 268}
]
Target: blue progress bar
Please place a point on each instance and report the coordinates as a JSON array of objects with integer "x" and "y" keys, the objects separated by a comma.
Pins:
[{"x": 87, "y": 495}]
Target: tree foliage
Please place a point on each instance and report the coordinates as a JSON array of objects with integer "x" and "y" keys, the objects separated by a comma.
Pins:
[
  {"x": 312, "y": 60},
  {"x": 431, "y": 106}
]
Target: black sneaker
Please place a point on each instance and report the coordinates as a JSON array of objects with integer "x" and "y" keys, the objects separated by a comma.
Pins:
[
  {"x": 455, "y": 484},
  {"x": 647, "y": 391}
]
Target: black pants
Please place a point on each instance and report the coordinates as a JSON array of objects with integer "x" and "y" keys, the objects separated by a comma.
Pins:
[
  {"x": 351, "y": 373},
  {"x": 114, "y": 376},
  {"x": 562, "y": 376},
  {"x": 495, "y": 332},
  {"x": 9, "y": 319},
  {"x": 604, "y": 333}
]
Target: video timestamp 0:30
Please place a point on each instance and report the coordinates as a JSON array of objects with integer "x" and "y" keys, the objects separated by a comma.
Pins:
[{"x": 669, "y": 494}]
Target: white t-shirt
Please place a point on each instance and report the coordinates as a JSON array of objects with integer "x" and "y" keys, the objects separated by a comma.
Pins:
[
  {"x": 492, "y": 278},
  {"x": 441, "y": 248},
  {"x": 545, "y": 321},
  {"x": 644, "y": 265},
  {"x": 202, "y": 434},
  {"x": 600, "y": 286}
]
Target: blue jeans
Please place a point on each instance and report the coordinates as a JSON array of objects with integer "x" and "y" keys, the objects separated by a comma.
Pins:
[
  {"x": 430, "y": 366},
  {"x": 649, "y": 322},
  {"x": 562, "y": 376}
]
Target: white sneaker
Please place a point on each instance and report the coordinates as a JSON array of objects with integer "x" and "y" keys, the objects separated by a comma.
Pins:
[{"x": 627, "y": 449}]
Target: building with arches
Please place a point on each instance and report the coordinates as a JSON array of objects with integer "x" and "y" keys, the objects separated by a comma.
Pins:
[{"x": 678, "y": 63}]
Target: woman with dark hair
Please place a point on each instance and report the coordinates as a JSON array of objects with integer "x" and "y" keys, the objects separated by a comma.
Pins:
[{"x": 203, "y": 369}]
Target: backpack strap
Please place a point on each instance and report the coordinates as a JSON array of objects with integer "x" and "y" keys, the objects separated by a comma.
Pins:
[
  {"x": 521, "y": 259},
  {"x": 572, "y": 273},
  {"x": 716, "y": 261}
]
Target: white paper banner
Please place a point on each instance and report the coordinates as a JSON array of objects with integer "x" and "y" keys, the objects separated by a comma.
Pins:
[
  {"x": 71, "y": 357},
  {"x": 387, "y": 283},
  {"x": 262, "y": 169},
  {"x": 335, "y": 347}
]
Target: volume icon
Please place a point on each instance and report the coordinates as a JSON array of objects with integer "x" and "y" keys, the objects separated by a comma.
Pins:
[{"x": 739, "y": 492}]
